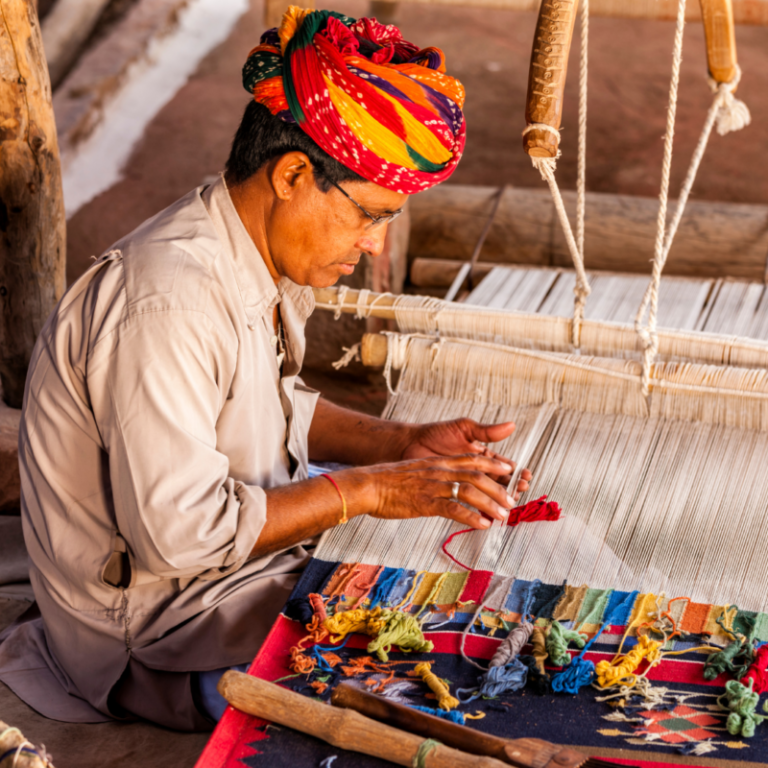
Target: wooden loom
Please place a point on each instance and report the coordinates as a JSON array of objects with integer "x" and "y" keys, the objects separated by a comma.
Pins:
[{"x": 652, "y": 440}]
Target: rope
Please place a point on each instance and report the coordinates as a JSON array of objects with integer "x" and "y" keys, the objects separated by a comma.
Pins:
[
  {"x": 581, "y": 179},
  {"x": 729, "y": 114}
]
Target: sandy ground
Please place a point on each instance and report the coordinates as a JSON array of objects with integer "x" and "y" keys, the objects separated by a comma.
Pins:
[{"x": 489, "y": 51}]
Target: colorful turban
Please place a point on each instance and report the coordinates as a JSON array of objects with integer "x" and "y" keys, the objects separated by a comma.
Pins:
[{"x": 371, "y": 100}]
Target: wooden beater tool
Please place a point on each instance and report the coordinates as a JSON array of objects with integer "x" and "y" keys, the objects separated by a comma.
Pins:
[{"x": 523, "y": 753}]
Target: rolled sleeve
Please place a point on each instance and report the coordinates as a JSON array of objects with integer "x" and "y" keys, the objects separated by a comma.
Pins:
[{"x": 182, "y": 514}]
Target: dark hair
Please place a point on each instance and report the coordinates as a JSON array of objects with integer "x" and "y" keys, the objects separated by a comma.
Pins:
[{"x": 261, "y": 137}]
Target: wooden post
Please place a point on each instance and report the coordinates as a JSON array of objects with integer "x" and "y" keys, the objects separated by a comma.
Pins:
[{"x": 32, "y": 224}]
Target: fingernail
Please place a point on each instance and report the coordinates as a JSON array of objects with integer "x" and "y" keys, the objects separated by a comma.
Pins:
[
  {"x": 506, "y": 467},
  {"x": 510, "y": 500},
  {"x": 485, "y": 523}
]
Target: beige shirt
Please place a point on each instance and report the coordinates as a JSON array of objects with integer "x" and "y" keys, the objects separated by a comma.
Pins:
[{"x": 154, "y": 419}]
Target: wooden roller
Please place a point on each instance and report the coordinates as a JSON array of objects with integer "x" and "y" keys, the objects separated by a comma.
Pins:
[
  {"x": 719, "y": 30},
  {"x": 546, "y": 79}
]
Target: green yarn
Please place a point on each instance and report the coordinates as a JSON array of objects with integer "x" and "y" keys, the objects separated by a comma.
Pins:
[
  {"x": 742, "y": 703},
  {"x": 400, "y": 629},
  {"x": 735, "y": 658},
  {"x": 420, "y": 758},
  {"x": 557, "y": 643}
]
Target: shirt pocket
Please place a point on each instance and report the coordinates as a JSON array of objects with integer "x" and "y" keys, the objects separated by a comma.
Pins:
[{"x": 304, "y": 403}]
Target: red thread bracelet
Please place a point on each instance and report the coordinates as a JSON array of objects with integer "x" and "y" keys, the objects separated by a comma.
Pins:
[{"x": 341, "y": 495}]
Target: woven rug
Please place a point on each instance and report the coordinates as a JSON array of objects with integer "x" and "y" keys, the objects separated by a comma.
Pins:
[{"x": 683, "y": 723}]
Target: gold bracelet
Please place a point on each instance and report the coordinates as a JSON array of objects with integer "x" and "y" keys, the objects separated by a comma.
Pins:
[{"x": 343, "y": 500}]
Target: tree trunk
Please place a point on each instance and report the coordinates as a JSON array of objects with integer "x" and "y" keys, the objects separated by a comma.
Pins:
[{"x": 32, "y": 224}]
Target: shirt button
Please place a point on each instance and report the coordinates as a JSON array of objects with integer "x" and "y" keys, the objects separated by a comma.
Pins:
[{"x": 273, "y": 341}]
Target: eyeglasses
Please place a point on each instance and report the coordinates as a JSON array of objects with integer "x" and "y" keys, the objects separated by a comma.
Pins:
[{"x": 375, "y": 221}]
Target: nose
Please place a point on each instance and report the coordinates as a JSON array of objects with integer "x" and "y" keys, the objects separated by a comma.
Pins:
[{"x": 372, "y": 240}]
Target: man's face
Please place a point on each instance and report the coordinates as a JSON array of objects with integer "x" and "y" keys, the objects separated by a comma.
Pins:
[{"x": 317, "y": 237}]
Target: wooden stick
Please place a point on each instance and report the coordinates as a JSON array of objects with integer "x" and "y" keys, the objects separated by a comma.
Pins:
[
  {"x": 720, "y": 34},
  {"x": 524, "y": 753},
  {"x": 343, "y": 728},
  {"x": 546, "y": 78},
  {"x": 32, "y": 208}
]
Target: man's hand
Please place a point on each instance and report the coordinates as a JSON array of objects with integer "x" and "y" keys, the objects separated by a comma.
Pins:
[
  {"x": 424, "y": 487},
  {"x": 463, "y": 436}
]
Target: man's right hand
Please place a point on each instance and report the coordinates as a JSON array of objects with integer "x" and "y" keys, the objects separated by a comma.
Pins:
[{"x": 423, "y": 488}]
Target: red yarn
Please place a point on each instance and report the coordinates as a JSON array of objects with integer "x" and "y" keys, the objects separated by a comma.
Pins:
[
  {"x": 758, "y": 671},
  {"x": 541, "y": 509},
  {"x": 532, "y": 512}
]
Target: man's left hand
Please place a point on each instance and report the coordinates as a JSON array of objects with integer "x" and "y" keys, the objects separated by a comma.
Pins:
[{"x": 462, "y": 436}]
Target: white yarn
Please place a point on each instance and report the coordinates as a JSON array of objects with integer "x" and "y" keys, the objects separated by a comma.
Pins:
[
  {"x": 542, "y": 127},
  {"x": 350, "y": 354},
  {"x": 340, "y": 296},
  {"x": 362, "y": 310},
  {"x": 397, "y": 349},
  {"x": 733, "y": 114}
]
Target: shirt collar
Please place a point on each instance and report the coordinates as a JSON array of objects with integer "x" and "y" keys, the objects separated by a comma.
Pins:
[{"x": 257, "y": 288}]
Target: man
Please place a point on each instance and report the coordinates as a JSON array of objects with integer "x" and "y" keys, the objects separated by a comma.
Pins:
[{"x": 166, "y": 433}]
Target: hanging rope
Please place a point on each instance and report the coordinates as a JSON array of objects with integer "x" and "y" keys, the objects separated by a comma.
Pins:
[{"x": 729, "y": 114}]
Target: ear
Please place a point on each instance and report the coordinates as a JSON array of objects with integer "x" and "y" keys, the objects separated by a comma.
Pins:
[{"x": 288, "y": 173}]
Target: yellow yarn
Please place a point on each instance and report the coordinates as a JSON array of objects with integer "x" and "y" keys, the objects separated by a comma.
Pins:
[
  {"x": 539, "y": 645},
  {"x": 364, "y": 620},
  {"x": 620, "y": 669},
  {"x": 437, "y": 686}
]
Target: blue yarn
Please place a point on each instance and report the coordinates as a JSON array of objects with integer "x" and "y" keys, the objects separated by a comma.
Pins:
[
  {"x": 317, "y": 651},
  {"x": 453, "y": 715},
  {"x": 581, "y": 672},
  {"x": 575, "y": 676},
  {"x": 497, "y": 680},
  {"x": 385, "y": 585}
]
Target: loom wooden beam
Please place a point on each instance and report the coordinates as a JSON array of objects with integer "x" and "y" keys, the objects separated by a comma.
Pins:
[
  {"x": 373, "y": 350},
  {"x": 753, "y": 12},
  {"x": 343, "y": 728},
  {"x": 518, "y": 329},
  {"x": 32, "y": 225},
  {"x": 714, "y": 240}
]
